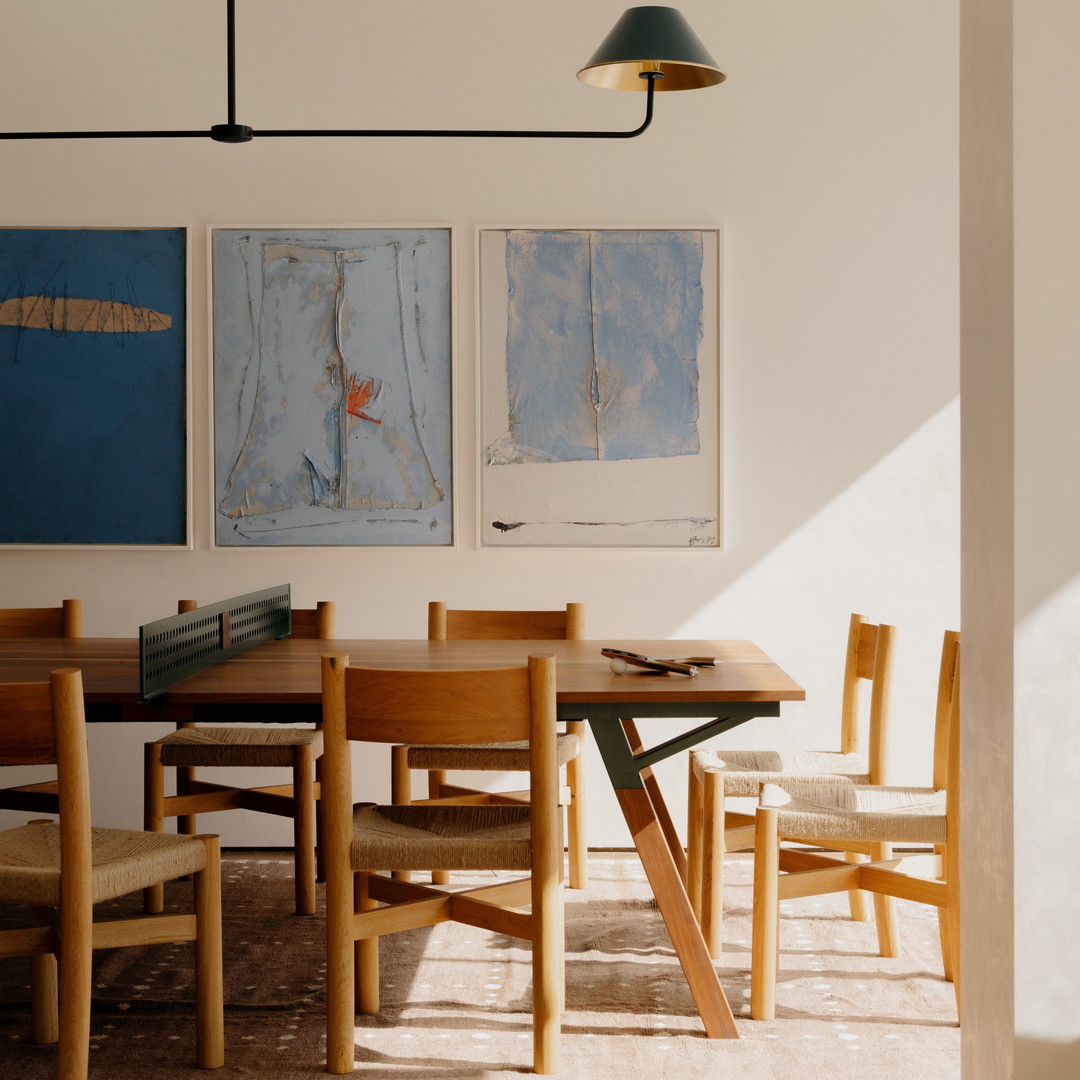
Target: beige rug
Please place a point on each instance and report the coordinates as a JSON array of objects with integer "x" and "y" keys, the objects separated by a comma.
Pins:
[{"x": 456, "y": 1000}]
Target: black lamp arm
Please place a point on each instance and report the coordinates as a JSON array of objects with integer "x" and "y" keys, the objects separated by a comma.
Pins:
[
  {"x": 232, "y": 132},
  {"x": 471, "y": 134},
  {"x": 236, "y": 133}
]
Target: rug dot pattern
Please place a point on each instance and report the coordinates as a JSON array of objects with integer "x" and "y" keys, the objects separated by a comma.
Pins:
[{"x": 456, "y": 1001}]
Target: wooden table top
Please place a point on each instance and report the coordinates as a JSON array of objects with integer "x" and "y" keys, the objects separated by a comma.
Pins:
[{"x": 287, "y": 671}]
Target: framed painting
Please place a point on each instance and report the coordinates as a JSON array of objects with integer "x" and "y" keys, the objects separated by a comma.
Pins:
[
  {"x": 600, "y": 387},
  {"x": 332, "y": 386},
  {"x": 93, "y": 387}
]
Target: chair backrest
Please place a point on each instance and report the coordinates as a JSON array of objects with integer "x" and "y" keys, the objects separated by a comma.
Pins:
[
  {"x": 316, "y": 622},
  {"x": 389, "y": 705},
  {"x": 45, "y": 724},
  {"x": 869, "y": 659},
  {"x": 459, "y": 624},
  {"x": 64, "y": 621},
  {"x": 946, "y": 720}
]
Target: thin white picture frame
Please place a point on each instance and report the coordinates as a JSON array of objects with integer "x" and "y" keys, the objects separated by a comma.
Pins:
[
  {"x": 631, "y": 492},
  {"x": 434, "y": 525}
]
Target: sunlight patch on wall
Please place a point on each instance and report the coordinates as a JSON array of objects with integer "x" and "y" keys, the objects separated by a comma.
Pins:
[{"x": 888, "y": 546}]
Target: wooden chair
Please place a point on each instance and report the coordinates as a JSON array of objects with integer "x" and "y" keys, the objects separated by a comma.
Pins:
[
  {"x": 439, "y": 707},
  {"x": 59, "y": 622},
  {"x": 454, "y": 624},
  {"x": 59, "y": 871},
  {"x": 717, "y": 774},
  {"x": 257, "y": 746},
  {"x": 867, "y": 815}
]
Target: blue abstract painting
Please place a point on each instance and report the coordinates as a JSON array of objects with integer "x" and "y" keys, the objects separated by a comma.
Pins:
[
  {"x": 600, "y": 386},
  {"x": 93, "y": 383},
  {"x": 332, "y": 386}
]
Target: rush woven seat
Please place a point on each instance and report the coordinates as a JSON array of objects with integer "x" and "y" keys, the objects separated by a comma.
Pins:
[
  {"x": 261, "y": 746},
  {"x": 258, "y": 748},
  {"x": 415, "y": 837},
  {"x": 60, "y": 870},
  {"x": 870, "y": 818},
  {"x": 746, "y": 770},
  {"x": 436, "y": 707},
  {"x": 716, "y": 775},
  {"x": 452, "y": 624},
  {"x": 858, "y": 812},
  {"x": 124, "y": 861}
]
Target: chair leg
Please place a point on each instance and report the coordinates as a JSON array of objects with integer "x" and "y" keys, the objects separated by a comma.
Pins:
[
  {"x": 153, "y": 816},
  {"x": 320, "y": 869},
  {"x": 366, "y": 963},
  {"x": 400, "y": 789},
  {"x": 885, "y": 911},
  {"x": 860, "y": 912},
  {"x": 712, "y": 863},
  {"x": 946, "y": 948},
  {"x": 765, "y": 949},
  {"x": 694, "y": 826},
  {"x": 340, "y": 989},
  {"x": 436, "y": 779},
  {"x": 577, "y": 845},
  {"x": 304, "y": 829},
  {"x": 951, "y": 914},
  {"x": 209, "y": 999},
  {"x": 186, "y": 824},
  {"x": 76, "y": 963},
  {"x": 943, "y": 923},
  {"x": 548, "y": 969},
  {"x": 44, "y": 1018}
]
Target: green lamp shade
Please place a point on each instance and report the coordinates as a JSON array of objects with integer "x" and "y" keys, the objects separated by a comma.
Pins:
[{"x": 651, "y": 39}]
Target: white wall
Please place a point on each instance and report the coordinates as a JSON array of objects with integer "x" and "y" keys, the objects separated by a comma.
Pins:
[{"x": 829, "y": 158}]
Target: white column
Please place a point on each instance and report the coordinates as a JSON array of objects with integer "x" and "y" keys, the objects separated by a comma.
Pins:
[{"x": 1020, "y": 284}]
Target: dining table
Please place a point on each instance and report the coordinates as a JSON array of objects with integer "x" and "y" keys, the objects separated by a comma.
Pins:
[{"x": 279, "y": 682}]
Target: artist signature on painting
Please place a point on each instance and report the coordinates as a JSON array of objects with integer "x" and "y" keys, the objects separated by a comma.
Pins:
[{"x": 702, "y": 541}]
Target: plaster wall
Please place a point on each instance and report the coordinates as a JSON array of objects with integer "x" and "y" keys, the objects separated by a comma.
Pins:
[{"x": 829, "y": 159}]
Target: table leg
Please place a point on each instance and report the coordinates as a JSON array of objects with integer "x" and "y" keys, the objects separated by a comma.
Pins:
[
  {"x": 652, "y": 786},
  {"x": 657, "y": 853},
  {"x": 674, "y": 905}
]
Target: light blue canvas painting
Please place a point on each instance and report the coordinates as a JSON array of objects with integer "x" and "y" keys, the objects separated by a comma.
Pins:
[
  {"x": 332, "y": 386},
  {"x": 600, "y": 350},
  {"x": 601, "y": 344}
]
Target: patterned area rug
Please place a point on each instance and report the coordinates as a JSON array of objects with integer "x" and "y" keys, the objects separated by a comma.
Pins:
[{"x": 456, "y": 1001}]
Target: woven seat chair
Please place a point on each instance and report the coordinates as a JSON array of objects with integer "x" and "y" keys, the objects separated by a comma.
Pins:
[
  {"x": 59, "y": 871},
  {"x": 58, "y": 622},
  {"x": 256, "y": 747},
  {"x": 716, "y": 775},
  {"x": 457, "y": 624},
  {"x": 439, "y": 707},
  {"x": 845, "y": 816}
]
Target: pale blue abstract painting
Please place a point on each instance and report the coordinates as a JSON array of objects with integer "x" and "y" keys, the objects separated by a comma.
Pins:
[
  {"x": 332, "y": 353},
  {"x": 600, "y": 387},
  {"x": 603, "y": 330}
]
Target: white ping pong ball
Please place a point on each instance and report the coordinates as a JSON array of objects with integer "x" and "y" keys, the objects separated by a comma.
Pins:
[{"x": 618, "y": 665}]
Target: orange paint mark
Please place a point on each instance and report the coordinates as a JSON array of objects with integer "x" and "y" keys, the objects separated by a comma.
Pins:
[{"x": 362, "y": 391}]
